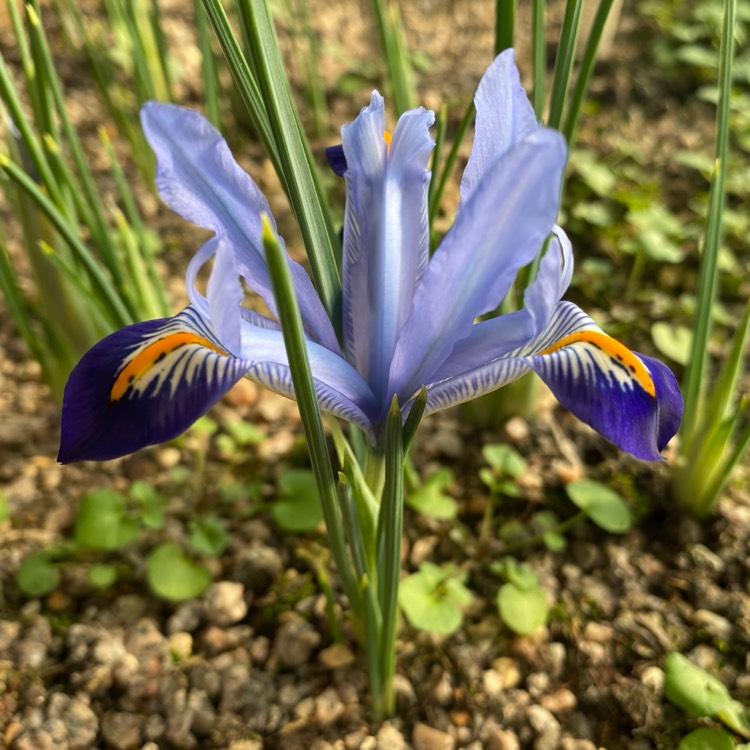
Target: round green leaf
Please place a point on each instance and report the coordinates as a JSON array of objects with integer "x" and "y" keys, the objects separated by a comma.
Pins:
[
  {"x": 101, "y": 575},
  {"x": 173, "y": 575},
  {"x": 601, "y": 504},
  {"x": 430, "y": 498},
  {"x": 298, "y": 508},
  {"x": 504, "y": 459},
  {"x": 207, "y": 535},
  {"x": 37, "y": 575},
  {"x": 522, "y": 610},
  {"x": 432, "y": 599},
  {"x": 693, "y": 689},
  {"x": 102, "y": 521},
  {"x": 673, "y": 341},
  {"x": 706, "y": 738}
]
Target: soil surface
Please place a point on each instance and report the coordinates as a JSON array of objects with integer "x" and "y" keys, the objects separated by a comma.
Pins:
[{"x": 253, "y": 663}]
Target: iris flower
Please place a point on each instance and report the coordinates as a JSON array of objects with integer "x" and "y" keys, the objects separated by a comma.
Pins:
[{"x": 409, "y": 320}]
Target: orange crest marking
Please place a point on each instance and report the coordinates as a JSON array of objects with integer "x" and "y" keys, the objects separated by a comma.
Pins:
[
  {"x": 153, "y": 353},
  {"x": 619, "y": 353}
]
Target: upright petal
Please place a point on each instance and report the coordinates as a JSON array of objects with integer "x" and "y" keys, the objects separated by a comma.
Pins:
[
  {"x": 630, "y": 399},
  {"x": 504, "y": 117},
  {"x": 552, "y": 280},
  {"x": 200, "y": 180},
  {"x": 497, "y": 232},
  {"x": 386, "y": 237}
]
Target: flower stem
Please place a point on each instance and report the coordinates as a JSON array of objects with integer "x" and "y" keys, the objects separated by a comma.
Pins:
[{"x": 389, "y": 536}]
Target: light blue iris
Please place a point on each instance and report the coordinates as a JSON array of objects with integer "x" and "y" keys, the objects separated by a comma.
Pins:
[{"x": 408, "y": 320}]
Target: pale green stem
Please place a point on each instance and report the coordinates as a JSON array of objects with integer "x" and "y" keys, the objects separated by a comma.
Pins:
[{"x": 390, "y": 533}]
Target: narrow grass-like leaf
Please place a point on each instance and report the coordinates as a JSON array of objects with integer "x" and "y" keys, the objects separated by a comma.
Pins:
[
  {"x": 156, "y": 300},
  {"x": 297, "y": 168},
  {"x": 16, "y": 303},
  {"x": 389, "y": 536},
  {"x": 32, "y": 143},
  {"x": 448, "y": 167},
  {"x": 721, "y": 477},
  {"x": 564, "y": 62},
  {"x": 119, "y": 102},
  {"x": 307, "y": 401},
  {"x": 724, "y": 390},
  {"x": 437, "y": 153},
  {"x": 211, "y": 88},
  {"x": 414, "y": 418},
  {"x": 538, "y": 57},
  {"x": 694, "y": 386},
  {"x": 399, "y": 73},
  {"x": 243, "y": 77},
  {"x": 505, "y": 23},
  {"x": 119, "y": 312},
  {"x": 310, "y": 55},
  {"x": 586, "y": 69}
]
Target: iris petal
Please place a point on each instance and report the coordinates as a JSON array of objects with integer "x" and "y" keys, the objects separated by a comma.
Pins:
[
  {"x": 504, "y": 117},
  {"x": 149, "y": 382},
  {"x": 552, "y": 280},
  {"x": 497, "y": 232},
  {"x": 630, "y": 399},
  {"x": 200, "y": 180},
  {"x": 142, "y": 385},
  {"x": 386, "y": 235}
]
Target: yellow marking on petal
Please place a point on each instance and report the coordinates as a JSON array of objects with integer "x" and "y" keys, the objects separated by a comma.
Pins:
[
  {"x": 153, "y": 353},
  {"x": 615, "y": 350},
  {"x": 387, "y": 137}
]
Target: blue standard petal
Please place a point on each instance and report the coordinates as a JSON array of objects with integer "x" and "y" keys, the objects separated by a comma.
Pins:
[{"x": 142, "y": 385}]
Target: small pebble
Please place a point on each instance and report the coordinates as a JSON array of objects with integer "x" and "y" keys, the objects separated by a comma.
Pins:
[
  {"x": 502, "y": 739},
  {"x": 568, "y": 743},
  {"x": 508, "y": 670},
  {"x": 405, "y": 694},
  {"x": 328, "y": 707},
  {"x": 186, "y": 618},
  {"x": 516, "y": 429},
  {"x": 336, "y": 656},
  {"x": 443, "y": 690},
  {"x": 598, "y": 633},
  {"x": 704, "y": 558},
  {"x": 492, "y": 683},
  {"x": 257, "y": 567},
  {"x": 122, "y": 731},
  {"x": 653, "y": 678},
  {"x": 294, "y": 642},
  {"x": 389, "y": 738},
  {"x": 559, "y": 701},
  {"x": 537, "y": 684},
  {"x": 546, "y": 726},
  {"x": 716, "y": 626},
  {"x": 225, "y": 603},
  {"x": 168, "y": 457},
  {"x": 180, "y": 645},
  {"x": 424, "y": 737}
]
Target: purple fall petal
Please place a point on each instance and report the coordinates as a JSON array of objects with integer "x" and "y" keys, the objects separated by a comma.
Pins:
[
  {"x": 630, "y": 399},
  {"x": 142, "y": 385}
]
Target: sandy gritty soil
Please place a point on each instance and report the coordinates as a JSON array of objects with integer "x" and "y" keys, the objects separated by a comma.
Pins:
[{"x": 253, "y": 663}]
